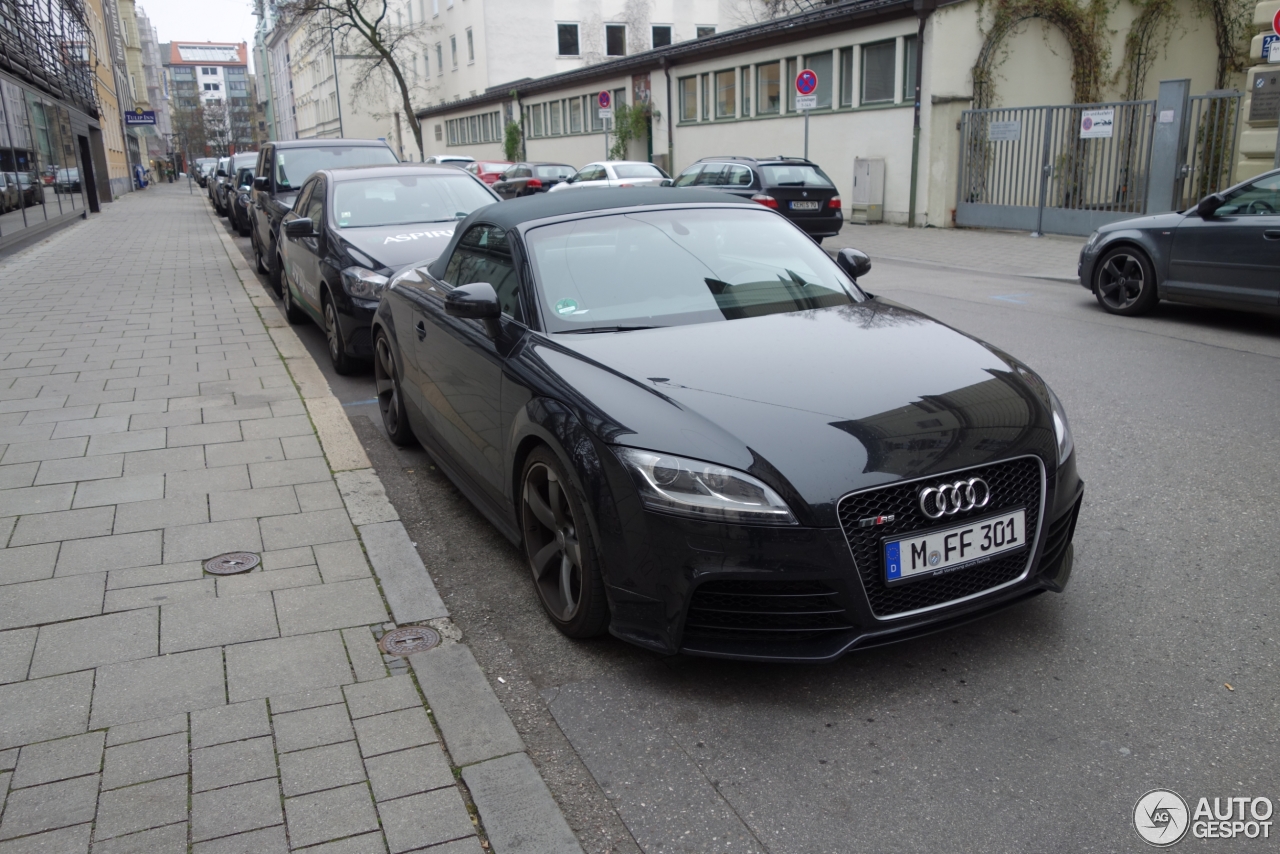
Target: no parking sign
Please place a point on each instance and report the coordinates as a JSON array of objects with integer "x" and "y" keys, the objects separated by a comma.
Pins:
[{"x": 806, "y": 89}]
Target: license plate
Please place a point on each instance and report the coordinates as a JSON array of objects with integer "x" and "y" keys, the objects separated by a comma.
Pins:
[
  {"x": 949, "y": 549},
  {"x": 806, "y": 206}
]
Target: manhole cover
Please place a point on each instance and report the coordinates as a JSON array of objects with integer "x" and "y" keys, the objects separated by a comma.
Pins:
[
  {"x": 409, "y": 640},
  {"x": 231, "y": 563}
]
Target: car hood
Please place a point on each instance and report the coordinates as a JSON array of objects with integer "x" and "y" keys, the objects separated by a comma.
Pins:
[
  {"x": 816, "y": 403},
  {"x": 395, "y": 246},
  {"x": 1170, "y": 219}
]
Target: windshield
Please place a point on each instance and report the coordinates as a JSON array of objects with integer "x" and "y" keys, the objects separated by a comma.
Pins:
[
  {"x": 494, "y": 167},
  {"x": 795, "y": 175},
  {"x": 411, "y": 199},
  {"x": 666, "y": 268},
  {"x": 242, "y": 160},
  {"x": 553, "y": 172},
  {"x": 295, "y": 165},
  {"x": 637, "y": 170},
  {"x": 244, "y": 177}
]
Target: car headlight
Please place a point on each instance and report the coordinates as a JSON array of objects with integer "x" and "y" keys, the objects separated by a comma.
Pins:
[
  {"x": 363, "y": 283},
  {"x": 1061, "y": 427},
  {"x": 1092, "y": 241},
  {"x": 704, "y": 491}
]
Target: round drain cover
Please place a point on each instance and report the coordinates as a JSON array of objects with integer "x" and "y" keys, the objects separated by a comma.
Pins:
[
  {"x": 408, "y": 640},
  {"x": 231, "y": 563}
]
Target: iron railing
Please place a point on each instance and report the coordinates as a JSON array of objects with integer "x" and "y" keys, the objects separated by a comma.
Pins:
[{"x": 1213, "y": 133}]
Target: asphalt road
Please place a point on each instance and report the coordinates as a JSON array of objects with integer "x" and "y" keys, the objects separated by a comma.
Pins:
[{"x": 1034, "y": 730}]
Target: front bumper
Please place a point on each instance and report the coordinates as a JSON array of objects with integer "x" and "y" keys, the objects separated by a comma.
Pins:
[
  {"x": 795, "y": 594},
  {"x": 355, "y": 316}
]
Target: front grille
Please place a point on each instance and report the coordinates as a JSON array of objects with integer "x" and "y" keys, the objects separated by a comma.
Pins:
[
  {"x": 1014, "y": 483},
  {"x": 787, "y": 611}
]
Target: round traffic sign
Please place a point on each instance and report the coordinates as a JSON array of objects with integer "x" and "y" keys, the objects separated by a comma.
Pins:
[
  {"x": 806, "y": 82},
  {"x": 1275, "y": 23},
  {"x": 604, "y": 100}
]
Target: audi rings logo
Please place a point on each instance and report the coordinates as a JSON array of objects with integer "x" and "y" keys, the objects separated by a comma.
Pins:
[{"x": 949, "y": 499}]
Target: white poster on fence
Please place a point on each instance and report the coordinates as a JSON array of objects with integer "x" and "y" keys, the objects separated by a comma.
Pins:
[{"x": 1097, "y": 124}]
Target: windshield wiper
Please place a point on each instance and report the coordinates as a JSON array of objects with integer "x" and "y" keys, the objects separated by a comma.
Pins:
[
  {"x": 608, "y": 329},
  {"x": 797, "y": 279}
]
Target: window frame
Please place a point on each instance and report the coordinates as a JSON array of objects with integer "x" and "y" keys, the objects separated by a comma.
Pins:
[
  {"x": 577, "y": 38},
  {"x": 671, "y": 35},
  {"x": 732, "y": 74},
  {"x": 762, "y": 108},
  {"x": 688, "y": 86},
  {"x": 614, "y": 27},
  {"x": 453, "y": 51},
  {"x": 471, "y": 47},
  {"x": 909, "y": 46},
  {"x": 864, "y": 51}
]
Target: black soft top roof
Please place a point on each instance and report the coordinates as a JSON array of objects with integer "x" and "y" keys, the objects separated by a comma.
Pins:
[{"x": 516, "y": 212}]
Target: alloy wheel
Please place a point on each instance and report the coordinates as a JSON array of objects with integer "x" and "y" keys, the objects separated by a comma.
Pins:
[
  {"x": 1121, "y": 281},
  {"x": 551, "y": 541},
  {"x": 388, "y": 390},
  {"x": 332, "y": 332}
]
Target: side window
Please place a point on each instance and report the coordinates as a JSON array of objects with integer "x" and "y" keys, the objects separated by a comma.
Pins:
[
  {"x": 689, "y": 176},
  {"x": 314, "y": 208},
  {"x": 484, "y": 256},
  {"x": 300, "y": 204},
  {"x": 739, "y": 176},
  {"x": 1261, "y": 198},
  {"x": 713, "y": 175}
]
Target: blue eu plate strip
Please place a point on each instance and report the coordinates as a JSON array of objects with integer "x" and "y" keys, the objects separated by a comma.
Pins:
[{"x": 892, "y": 562}]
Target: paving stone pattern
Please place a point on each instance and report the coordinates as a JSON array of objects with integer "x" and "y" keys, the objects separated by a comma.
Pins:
[{"x": 147, "y": 422}]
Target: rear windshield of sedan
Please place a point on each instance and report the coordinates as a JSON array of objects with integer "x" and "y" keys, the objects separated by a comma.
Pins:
[
  {"x": 552, "y": 172},
  {"x": 494, "y": 167},
  {"x": 637, "y": 170},
  {"x": 403, "y": 200},
  {"x": 673, "y": 267},
  {"x": 295, "y": 165},
  {"x": 795, "y": 175}
]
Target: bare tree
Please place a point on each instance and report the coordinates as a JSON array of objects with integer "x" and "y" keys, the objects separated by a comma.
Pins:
[
  {"x": 379, "y": 37},
  {"x": 217, "y": 127},
  {"x": 743, "y": 12},
  {"x": 188, "y": 129}
]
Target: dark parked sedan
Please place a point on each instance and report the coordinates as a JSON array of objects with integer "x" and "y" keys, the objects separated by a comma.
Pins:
[
  {"x": 241, "y": 197},
  {"x": 526, "y": 179},
  {"x": 352, "y": 228},
  {"x": 794, "y": 187},
  {"x": 1223, "y": 252},
  {"x": 706, "y": 438}
]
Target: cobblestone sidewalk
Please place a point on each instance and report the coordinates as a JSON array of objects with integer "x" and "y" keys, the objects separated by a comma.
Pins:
[
  {"x": 148, "y": 422},
  {"x": 1010, "y": 252}
]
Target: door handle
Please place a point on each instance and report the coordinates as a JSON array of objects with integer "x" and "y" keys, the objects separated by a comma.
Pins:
[
  {"x": 421, "y": 329},
  {"x": 1271, "y": 234}
]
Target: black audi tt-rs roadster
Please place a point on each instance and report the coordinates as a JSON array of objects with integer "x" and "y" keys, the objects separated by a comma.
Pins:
[{"x": 707, "y": 438}]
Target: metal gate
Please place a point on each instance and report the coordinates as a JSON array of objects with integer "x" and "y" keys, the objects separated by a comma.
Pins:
[
  {"x": 1029, "y": 169},
  {"x": 1213, "y": 132}
]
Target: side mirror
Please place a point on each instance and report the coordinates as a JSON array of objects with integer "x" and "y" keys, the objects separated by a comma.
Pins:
[
  {"x": 667, "y": 182},
  {"x": 222, "y": 173},
  {"x": 857, "y": 264},
  {"x": 262, "y": 182},
  {"x": 476, "y": 301},
  {"x": 1210, "y": 203},
  {"x": 300, "y": 227}
]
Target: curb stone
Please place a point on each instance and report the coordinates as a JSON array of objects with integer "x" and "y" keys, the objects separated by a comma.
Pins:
[{"x": 475, "y": 727}]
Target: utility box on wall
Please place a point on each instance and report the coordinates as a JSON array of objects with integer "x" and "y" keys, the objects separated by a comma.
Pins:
[{"x": 868, "y": 191}]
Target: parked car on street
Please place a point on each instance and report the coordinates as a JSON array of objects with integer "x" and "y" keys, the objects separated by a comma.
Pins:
[
  {"x": 614, "y": 173},
  {"x": 351, "y": 229},
  {"x": 600, "y": 374},
  {"x": 456, "y": 159},
  {"x": 1223, "y": 252},
  {"x": 68, "y": 181},
  {"x": 488, "y": 170},
  {"x": 526, "y": 179},
  {"x": 282, "y": 168},
  {"x": 242, "y": 201},
  {"x": 10, "y": 192},
  {"x": 794, "y": 187},
  {"x": 225, "y": 189},
  {"x": 204, "y": 167},
  {"x": 220, "y": 173},
  {"x": 32, "y": 189}
]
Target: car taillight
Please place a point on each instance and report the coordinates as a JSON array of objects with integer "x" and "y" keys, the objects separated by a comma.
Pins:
[
  {"x": 626, "y": 185},
  {"x": 834, "y": 203},
  {"x": 766, "y": 200},
  {"x": 533, "y": 184}
]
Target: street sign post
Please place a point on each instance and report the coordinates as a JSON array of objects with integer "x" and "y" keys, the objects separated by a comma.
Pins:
[
  {"x": 605, "y": 100},
  {"x": 806, "y": 100}
]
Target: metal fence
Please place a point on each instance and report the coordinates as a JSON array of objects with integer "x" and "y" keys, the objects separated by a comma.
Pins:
[
  {"x": 1052, "y": 168},
  {"x": 1213, "y": 131}
]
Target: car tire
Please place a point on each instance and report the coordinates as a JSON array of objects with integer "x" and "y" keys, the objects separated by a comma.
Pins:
[
  {"x": 292, "y": 312},
  {"x": 244, "y": 228},
  {"x": 1124, "y": 282},
  {"x": 337, "y": 345},
  {"x": 258, "y": 261},
  {"x": 559, "y": 550},
  {"x": 275, "y": 274},
  {"x": 386, "y": 381}
]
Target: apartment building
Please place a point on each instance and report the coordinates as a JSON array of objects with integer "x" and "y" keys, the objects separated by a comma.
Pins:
[{"x": 214, "y": 76}]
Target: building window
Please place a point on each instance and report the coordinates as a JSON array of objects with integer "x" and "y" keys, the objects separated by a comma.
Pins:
[
  {"x": 726, "y": 94},
  {"x": 439, "y": 133},
  {"x": 597, "y": 123},
  {"x": 537, "y": 120},
  {"x": 439, "y": 58},
  {"x": 568, "y": 38},
  {"x": 661, "y": 35},
  {"x": 453, "y": 50},
  {"x": 909, "y": 69},
  {"x": 615, "y": 39},
  {"x": 471, "y": 47},
  {"x": 706, "y": 97},
  {"x": 426, "y": 63},
  {"x": 746, "y": 91},
  {"x": 706, "y": 31},
  {"x": 575, "y": 115},
  {"x": 820, "y": 64},
  {"x": 555, "y": 118},
  {"x": 768, "y": 88},
  {"x": 878, "y": 73},
  {"x": 846, "y": 77},
  {"x": 790, "y": 84}
]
